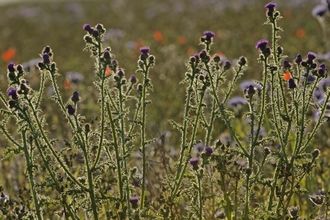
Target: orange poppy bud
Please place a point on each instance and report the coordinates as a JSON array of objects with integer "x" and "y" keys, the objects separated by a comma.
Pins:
[{"x": 287, "y": 76}]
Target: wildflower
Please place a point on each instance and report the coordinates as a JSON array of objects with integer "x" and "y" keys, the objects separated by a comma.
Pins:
[
  {"x": 247, "y": 83},
  {"x": 287, "y": 76},
  {"x": 310, "y": 57},
  {"x": 87, "y": 28},
  {"x": 208, "y": 35},
  {"x": 70, "y": 109},
  {"x": 182, "y": 40},
  {"x": 242, "y": 61},
  {"x": 120, "y": 72},
  {"x": 249, "y": 91},
  {"x": 300, "y": 33},
  {"x": 208, "y": 151},
  {"x": 322, "y": 71},
  {"x": 132, "y": 79},
  {"x": 158, "y": 36},
  {"x": 67, "y": 84},
  {"x": 11, "y": 67},
  {"x": 216, "y": 58},
  {"x": 203, "y": 54},
  {"x": 270, "y": 8},
  {"x": 226, "y": 65},
  {"x": 144, "y": 53},
  {"x": 9, "y": 54},
  {"x": 106, "y": 54},
  {"x": 199, "y": 147},
  {"x": 319, "y": 11},
  {"x": 236, "y": 102},
  {"x": 194, "y": 163},
  {"x": 13, "y": 93},
  {"x": 47, "y": 49},
  {"x": 45, "y": 58},
  {"x": 298, "y": 59},
  {"x": 261, "y": 44},
  {"x": 292, "y": 84},
  {"x": 134, "y": 202},
  {"x": 95, "y": 33},
  {"x": 108, "y": 71},
  {"x": 286, "y": 64},
  {"x": 75, "y": 97},
  {"x": 279, "y": 50}
]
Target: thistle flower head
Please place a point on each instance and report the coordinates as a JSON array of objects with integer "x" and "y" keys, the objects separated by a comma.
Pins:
[
  {"x": 134, "y": 202},
  {"x": 194, "y": 162},
  {"x": 261, "y": 44},
  {"x": 144, "y": 50}
]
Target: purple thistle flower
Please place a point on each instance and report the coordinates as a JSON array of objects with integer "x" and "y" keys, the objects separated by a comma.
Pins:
[
  {"x": 87, "y": 27},
  {"x": 134, "y": 202},
  {"x": 11, "y": 67},
  {"x": 209, "y": 35},
  {"x": 194, "y": 163},
  {"x": 311, "y": 56},
  {"x": 208, "y": 151},
  {"x": 262, "y": 44},
  {"x": 45, "y": 58},
  {"x": 270, "y": 5},
  {"x": 13, "y": 93},
  {"x": 319, "y": 11},
  {"x": 237, "y": 101},
  {"x": 144, "y": 50}
]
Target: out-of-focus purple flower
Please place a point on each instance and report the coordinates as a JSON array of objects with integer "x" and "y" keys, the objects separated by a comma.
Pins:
[
  {"x": 318, "y": 95},
  {"x": 199, "y": 147},
  {"x": 247, "y": 83},
  {"x": 319, "y": 10},
  {"x": 134, "y": 202},
  {"x": 194, "y": 162},
  {"x": 236, "y": 102}
]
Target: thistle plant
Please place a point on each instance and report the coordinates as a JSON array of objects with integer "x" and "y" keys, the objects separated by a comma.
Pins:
[{"x": 239, "y": 156}]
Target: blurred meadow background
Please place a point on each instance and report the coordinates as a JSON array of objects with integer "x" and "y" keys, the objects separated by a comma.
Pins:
[{"x": 171, "y": 28}]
